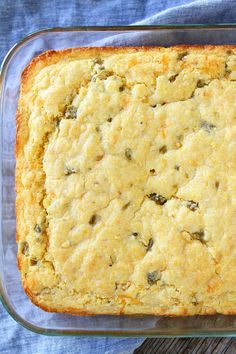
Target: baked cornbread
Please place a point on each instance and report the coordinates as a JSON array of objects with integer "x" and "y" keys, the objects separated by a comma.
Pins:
[{"x": 126, "y": 180}]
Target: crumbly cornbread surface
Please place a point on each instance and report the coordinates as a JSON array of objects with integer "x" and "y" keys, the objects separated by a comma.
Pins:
[{"x": 126, "y": 180}]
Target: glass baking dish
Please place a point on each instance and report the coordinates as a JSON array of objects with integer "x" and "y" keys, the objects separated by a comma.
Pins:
[{"x": 13, "y": 297}]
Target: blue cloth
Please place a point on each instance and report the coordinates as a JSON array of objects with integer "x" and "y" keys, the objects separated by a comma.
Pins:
[{"x": 18, "y": 18}]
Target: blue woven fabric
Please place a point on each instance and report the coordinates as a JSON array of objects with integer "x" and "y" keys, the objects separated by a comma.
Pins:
[{"x": 18, "y": 18}]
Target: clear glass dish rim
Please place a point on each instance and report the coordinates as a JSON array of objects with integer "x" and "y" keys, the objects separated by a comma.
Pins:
[
  {"x": 3, "y": 69},
  {"x": 127, "y": 28}
]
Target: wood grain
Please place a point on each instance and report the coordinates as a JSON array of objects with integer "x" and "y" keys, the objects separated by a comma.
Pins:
[{"x": 187, "y": 346}]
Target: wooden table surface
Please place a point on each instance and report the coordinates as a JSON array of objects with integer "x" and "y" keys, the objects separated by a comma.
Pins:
[{"x": 188, "y": 346}]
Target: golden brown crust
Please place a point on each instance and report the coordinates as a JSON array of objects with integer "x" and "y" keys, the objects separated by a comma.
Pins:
[
  {"x": 82, "y": 312},
  {"x": 22, "y": 136},
  {"x": 52, "y": 56}
]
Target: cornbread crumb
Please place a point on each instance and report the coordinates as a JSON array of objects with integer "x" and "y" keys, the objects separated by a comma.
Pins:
[{"x": 126, "y": 180}]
